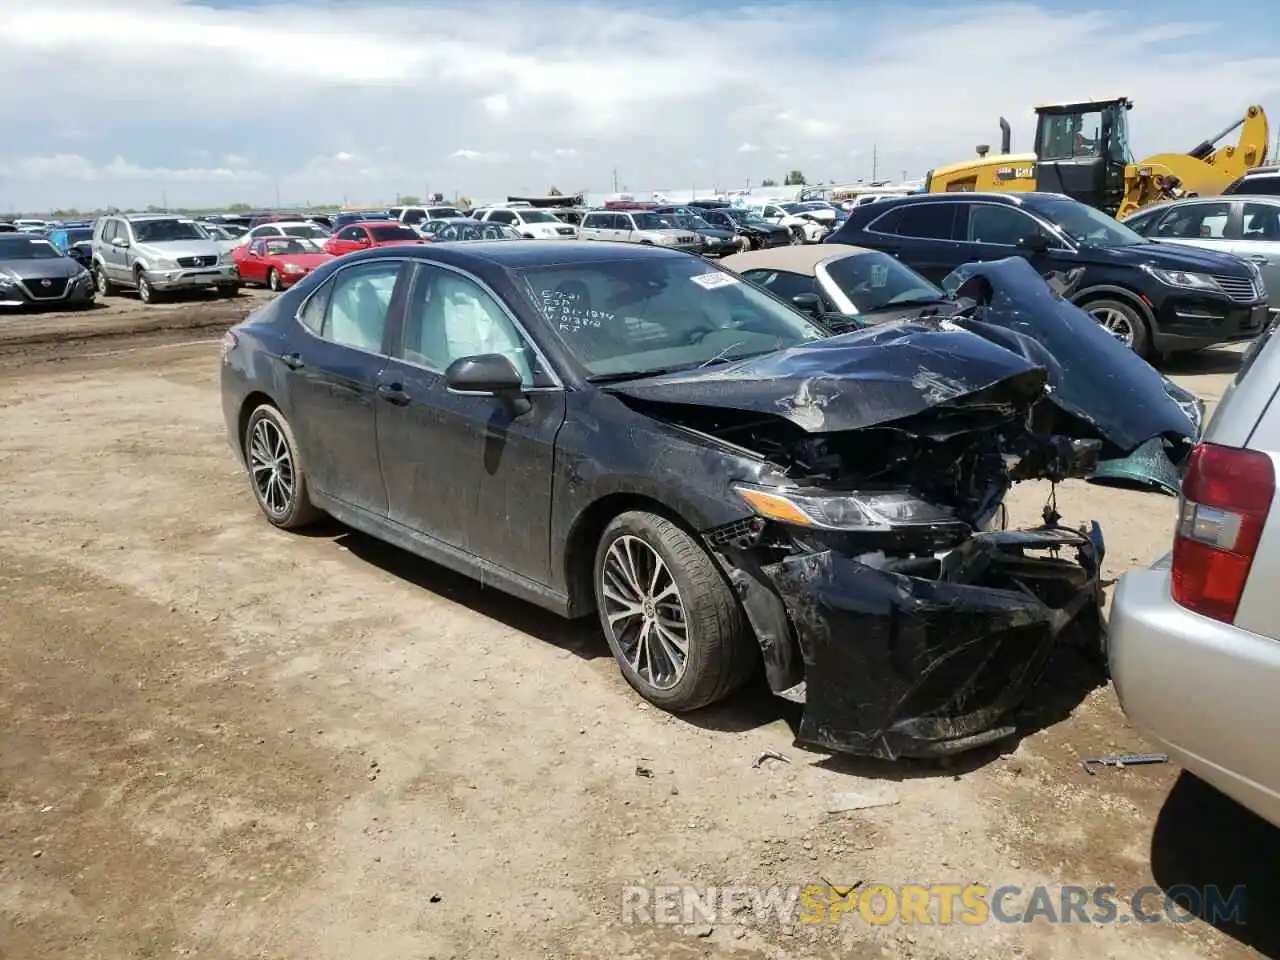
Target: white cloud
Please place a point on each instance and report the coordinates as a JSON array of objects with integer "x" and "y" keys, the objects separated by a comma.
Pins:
[
  {"x": 559, "y": 153},
  {"x": 300, "y": 94},
  {"x": 477, "y": 155}
]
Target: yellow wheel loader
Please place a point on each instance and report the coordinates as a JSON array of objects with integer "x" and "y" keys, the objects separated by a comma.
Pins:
[{"x": 1082, "y": 150}]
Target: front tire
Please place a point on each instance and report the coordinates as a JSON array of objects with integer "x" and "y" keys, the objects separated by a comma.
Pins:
[
  {"x": 276, "y": 472},
  {"x": 105, "y": 287},
  {"x": 146, "y": 292},
  {"x": 670, "y": 618},
  {"x": 273, "y": 280},
  {"x": 1124, "y": 322}
]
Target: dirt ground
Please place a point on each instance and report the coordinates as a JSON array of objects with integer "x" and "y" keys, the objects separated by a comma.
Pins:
[{"x": 219, "y": 740}]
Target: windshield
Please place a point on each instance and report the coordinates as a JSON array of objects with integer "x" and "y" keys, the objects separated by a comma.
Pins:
[
  {"x": 629, "y": 318},
  {"x": 310, "y": 230},
  {"x": 745, "y": 216},
  {"x": 233, "y": 230},
  {"x": 278, "y": 246},
  {"x": 874, "y": 281},
  {"x": 18, "y": 247},
  {"x": 650, "y": 221},
  {"x": 384, "y": 234},
  {"x": 440, "y": 213},
  {"x": 162, "y": 231},
  {"x": 1085, "y": 225},
  {"x": 79, "y": 235},
  {"x": 537, "y": 216}
]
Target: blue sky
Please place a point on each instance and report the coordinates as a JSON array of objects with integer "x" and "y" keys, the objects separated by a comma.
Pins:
[{"x": 212, "y": 101}]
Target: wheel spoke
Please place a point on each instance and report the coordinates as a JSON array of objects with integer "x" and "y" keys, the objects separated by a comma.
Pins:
[{"x": 642, "y": 609}]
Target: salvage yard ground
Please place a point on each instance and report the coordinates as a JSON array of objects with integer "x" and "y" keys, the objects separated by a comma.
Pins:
[{"x": 219, "y": 740}]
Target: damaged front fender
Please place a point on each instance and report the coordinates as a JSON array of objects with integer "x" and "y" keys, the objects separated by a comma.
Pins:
[{"x": 926, "y": 658}]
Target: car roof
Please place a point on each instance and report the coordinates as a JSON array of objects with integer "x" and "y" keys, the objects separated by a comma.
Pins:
[
  {"x": 538, "y": 253},
  {"x": 376, "y": 223},
  {"x": 802, "y": 259}
]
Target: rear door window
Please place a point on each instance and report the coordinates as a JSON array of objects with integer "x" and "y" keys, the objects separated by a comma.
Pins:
[
  {"x": 927, "y": 221},
  {"x": 999, "y": 225},
  {"x": 1195, "y": 221}
]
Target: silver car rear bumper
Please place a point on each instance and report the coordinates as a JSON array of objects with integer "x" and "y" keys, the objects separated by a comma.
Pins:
[{"x": 1208, "y": 692}]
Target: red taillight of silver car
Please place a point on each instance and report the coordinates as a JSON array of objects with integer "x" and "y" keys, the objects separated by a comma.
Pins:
[{"x": 1226, "y": 496}]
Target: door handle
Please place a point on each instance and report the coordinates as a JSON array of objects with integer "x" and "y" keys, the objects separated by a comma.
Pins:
[
  {"x": 292, "y": 360},
  {"x": 393, "y": 393}
]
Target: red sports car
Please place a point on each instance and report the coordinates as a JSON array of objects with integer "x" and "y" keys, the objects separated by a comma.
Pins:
[
  {"x": 367, "y": 234},
  {"x": 279, "y": 262}
]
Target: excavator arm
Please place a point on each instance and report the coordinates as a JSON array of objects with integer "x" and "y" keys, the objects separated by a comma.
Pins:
[{"x": 1205, "y": 170}]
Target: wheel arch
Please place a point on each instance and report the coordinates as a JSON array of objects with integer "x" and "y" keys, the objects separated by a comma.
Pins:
[
  {"x": 251, "y": 402},
  {"x": 584, "y": 537},
  {"x": 1108, "y": 291}
]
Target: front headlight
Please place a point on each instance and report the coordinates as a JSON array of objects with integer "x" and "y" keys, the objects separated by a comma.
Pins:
[
  {"x": 9, "y": 279},
  {"x": 159, "y": 263},
  {"x": 1184, "y": 280},
  {"x": 293, "y": 268},
  {"x": 225, "y": 258},
  {"x": 866, "y": 511}
]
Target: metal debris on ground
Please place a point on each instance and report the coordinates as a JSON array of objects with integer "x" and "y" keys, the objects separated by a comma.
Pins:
[
  {"x": 643, "y": 771},
  {"x": 1123, "y": 760},
  {"x": 770, "y": 755}
]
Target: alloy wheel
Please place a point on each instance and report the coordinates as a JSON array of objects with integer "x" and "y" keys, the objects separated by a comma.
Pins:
[
  {"x": 271, "y": 466},
  {"x": 102, "y": 282},
  {"x": 1116, "y": 323},
  {"x": 144, "y": 289},
  {"x": 645, "y": 612},
  {"x": 273, "y": 279}
]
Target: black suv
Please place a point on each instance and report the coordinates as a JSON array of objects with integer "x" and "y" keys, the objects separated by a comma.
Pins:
[
  {"x": 1258, "y": 182},
  {"x": 1157, "y": 298}
]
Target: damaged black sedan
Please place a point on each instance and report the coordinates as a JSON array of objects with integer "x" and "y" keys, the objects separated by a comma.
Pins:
[{"x": 640, "y": 435}]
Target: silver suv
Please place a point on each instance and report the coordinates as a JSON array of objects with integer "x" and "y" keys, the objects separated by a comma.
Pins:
[
  {"x": 638, "y": 226},
  {"x": 1195, "y": 639},
  {"x": 160, "y": 254}
]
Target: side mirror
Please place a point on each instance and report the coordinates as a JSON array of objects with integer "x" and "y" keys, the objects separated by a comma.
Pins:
[
  {"x": 491, "y": 374},
  {"x": 119, "y": 241},
  {"x": 1033, "y": 243},
  {"x": 808, "y": 302}
]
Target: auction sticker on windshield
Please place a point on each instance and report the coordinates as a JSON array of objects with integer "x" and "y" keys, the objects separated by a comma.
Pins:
[{"x": 709, "y": 281}]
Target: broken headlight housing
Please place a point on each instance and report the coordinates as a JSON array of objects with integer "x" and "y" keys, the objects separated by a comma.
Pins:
[{"x": 852, "y": 510}]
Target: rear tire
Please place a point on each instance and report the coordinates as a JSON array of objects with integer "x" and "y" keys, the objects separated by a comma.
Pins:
[
  {"x": 276, "y": 471},
  {"x": 647, "y": 607},
  {"x": 1124, "y": 321}
]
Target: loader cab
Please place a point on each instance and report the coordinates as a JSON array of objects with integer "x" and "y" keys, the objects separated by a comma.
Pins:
[{"x": 1082, "y": 150}]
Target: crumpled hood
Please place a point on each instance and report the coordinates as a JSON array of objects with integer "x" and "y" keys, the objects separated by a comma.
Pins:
[
  {"x": 849, "y": 382},
  {"x": 1092, "y": 376}
]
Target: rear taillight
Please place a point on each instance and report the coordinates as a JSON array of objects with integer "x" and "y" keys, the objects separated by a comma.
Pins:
[
  {"x": 1226, "y": 496},
  {"x": 229, "y": 342}
]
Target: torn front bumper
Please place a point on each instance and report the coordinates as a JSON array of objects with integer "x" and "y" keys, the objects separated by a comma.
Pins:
[{"x": 926, "y": 658}]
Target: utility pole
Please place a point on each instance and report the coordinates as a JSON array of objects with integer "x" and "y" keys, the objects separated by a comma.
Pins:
[
  {"x": 164, "y": 201},
  {"x": 615, "y": 179},
  {"x": 277, "y": 195},
  {"x": 875, "y": 161},
  {"x": 904, "y": 176}
]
